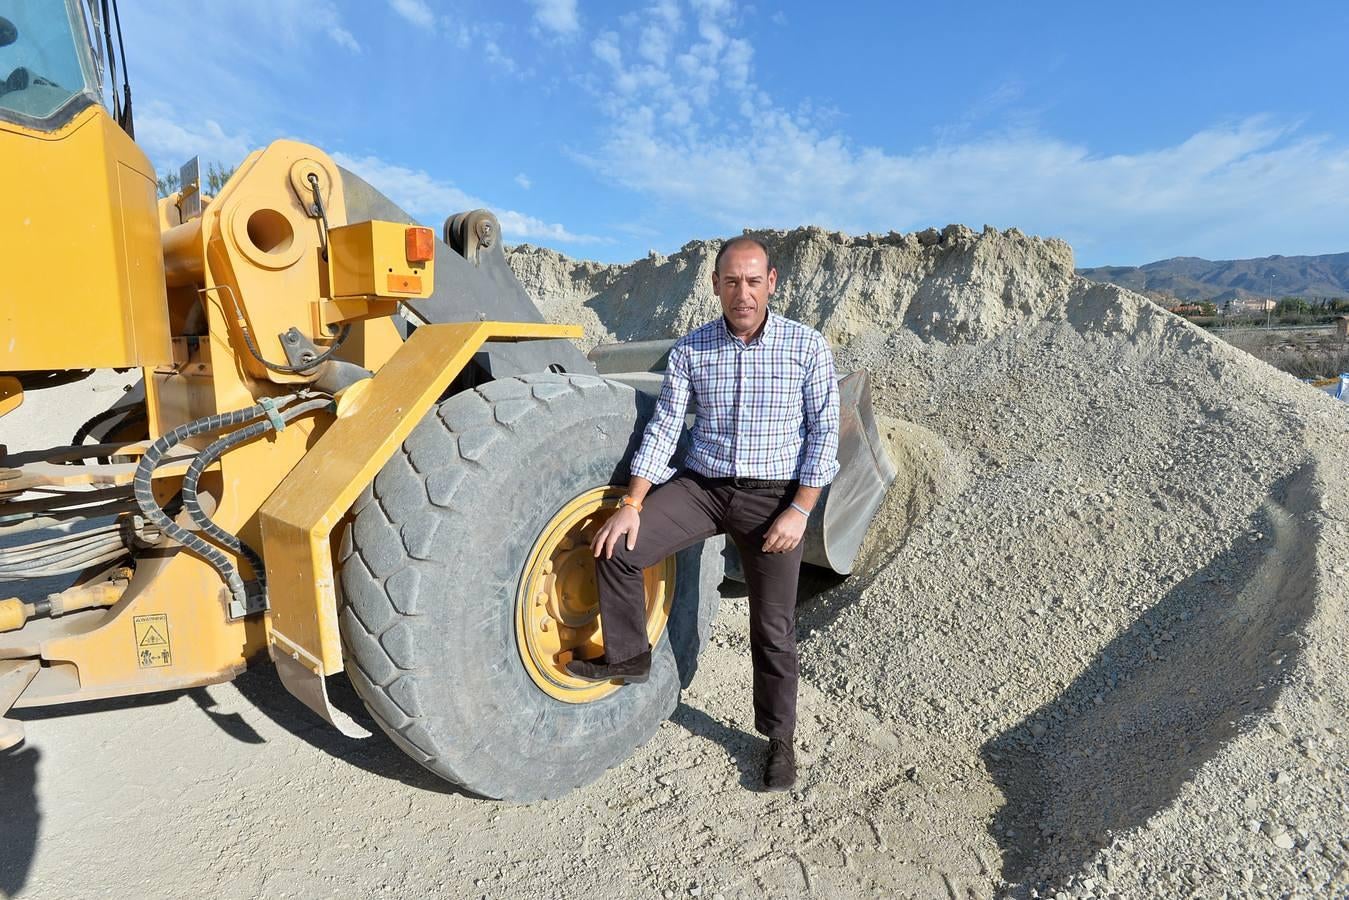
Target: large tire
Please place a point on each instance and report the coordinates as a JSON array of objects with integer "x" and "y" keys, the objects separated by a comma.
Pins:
[{"x": 430, "y": 568}]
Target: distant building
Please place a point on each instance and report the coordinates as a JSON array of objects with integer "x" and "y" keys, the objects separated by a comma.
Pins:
[{"x": 1251, "y": 305}]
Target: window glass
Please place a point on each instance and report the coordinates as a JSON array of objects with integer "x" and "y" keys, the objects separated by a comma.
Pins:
[{"x": 43, "y": 59}]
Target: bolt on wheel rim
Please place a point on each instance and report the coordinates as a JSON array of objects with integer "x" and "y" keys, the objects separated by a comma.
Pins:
[{"x": 557, "y": 606}]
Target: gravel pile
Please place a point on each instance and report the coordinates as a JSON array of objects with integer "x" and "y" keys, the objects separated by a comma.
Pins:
[{"x": 1104, "y": 610}]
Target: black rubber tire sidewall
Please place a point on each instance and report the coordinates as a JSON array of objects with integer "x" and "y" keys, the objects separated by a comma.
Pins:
[{"x": 428, "y": 622}]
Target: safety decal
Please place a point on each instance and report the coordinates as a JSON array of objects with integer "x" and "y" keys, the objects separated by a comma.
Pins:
[{"x": 152, "y": 641}]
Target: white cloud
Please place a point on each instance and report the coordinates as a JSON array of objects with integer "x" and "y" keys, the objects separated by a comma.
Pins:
[
  {"x": 423, "y": 195},
  {"x": 1198, "y": 197},
  {"x": 171, "y": 139},
  {"x": 344, "y": 38},
  {"x": 493, "y": 53},
  {"x": 523, "y": 227},
  {"x": 674, "y": 80},
  {"x": 415, "y": 11},
  {"x": 293, "y": 18},
  {"x": 557, "y": 16},
  {"x": 664, "y": 23},
  {"x": 247, "y": 32},
  {"x": 486, "y": 37},
  {"x": 702, "y": 135},
  {"x": 605, "y": 48},
  {"x": 523, "y": 180}
]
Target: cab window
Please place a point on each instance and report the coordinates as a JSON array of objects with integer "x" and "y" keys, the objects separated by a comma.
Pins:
[{"x": 45, "y": 62}]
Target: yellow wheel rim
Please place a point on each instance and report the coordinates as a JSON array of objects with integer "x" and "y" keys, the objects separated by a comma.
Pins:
[{"x": 557, "y": 607}]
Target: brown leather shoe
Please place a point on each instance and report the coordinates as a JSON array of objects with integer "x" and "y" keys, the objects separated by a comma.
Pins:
[
  {"x": 629, "y": 671},
  {"x": 779, "y": 774}
]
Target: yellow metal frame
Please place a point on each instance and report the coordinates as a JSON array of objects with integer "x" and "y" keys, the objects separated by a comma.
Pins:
[
  {"x": 368, "y": 260},
  {"x": 557, "y": 608},
  {"x": 81, "y": 248},
  {"x": 174, "y": 298},
  {"x": 11, "y": 394},
  {"x": 298, "y": 519}
]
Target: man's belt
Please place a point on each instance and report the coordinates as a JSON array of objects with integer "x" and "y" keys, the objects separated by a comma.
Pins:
[{"x": 749, "y": 484}]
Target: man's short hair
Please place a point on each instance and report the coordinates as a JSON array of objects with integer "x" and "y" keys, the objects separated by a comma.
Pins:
[{"x": 742, "y": 239}]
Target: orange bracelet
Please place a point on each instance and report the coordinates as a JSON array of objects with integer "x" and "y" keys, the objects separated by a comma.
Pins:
[{"x": 628, "y": 501}]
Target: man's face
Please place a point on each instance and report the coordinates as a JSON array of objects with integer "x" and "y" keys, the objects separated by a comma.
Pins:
[{"x": 744, "y": 285}]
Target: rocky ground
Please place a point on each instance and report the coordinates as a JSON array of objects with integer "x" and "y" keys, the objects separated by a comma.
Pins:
[
  {"x": 1094, "y": 647},
  {"x": 1119, "y": 624}
]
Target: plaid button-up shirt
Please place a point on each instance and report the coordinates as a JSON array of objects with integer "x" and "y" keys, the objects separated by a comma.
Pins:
[{"x": 767, "y": 409}]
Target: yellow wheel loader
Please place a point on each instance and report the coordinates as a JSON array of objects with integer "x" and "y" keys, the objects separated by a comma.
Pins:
[{"x": 354, "y": 447}]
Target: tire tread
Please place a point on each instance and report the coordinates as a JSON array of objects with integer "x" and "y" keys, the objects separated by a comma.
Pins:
[{"x": 378, "y": 560}]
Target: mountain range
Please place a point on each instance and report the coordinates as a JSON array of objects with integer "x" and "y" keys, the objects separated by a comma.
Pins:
[{"x": 1192, "y": 278}]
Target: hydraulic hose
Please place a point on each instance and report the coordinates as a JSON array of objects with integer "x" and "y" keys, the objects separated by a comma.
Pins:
[
  {"x": 19, "y": 562},
  {"x": 242, "y": 322},
  {"x": 37, "y": 548},
  {"x": 222, "y": 445},
  {"x": 80, "y": 504},
  {"x": 67, "y": 566},
  {"x": 145, "y": 498},
  {"x": 127, "y": 413},
  {"x": 63, "y": 554}
]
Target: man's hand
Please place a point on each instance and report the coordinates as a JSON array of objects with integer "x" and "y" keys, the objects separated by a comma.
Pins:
[
  {"x": 785, "y": 532},
  {"x": 624, "y": 522}
]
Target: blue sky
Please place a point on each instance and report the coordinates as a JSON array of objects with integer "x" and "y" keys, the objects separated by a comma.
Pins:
[{"x": 1134, "y": 131}]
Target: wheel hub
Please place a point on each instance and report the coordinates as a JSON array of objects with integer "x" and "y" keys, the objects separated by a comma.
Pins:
[{"x": 557, "y": 606}]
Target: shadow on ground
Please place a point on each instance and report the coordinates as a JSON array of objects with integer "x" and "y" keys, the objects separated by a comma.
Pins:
[
  {"x": 821, "y": 596},
  {"x": 261, "y": 687},
  {"x": 1159, "y": 701},
  {"x": 375, "y": 754},
  {"x": 747, "y": 750},
  {"x": 20, "y": 817},
  {"x": 817, "y": 602},
  {"x": 19, "y": 811}
]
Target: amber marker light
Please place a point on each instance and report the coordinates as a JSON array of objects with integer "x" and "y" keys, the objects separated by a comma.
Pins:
[{"x": 421, "y": 244}]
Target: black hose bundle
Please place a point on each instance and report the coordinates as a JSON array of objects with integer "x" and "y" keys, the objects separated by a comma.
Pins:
[
  {"x": 191, "y": 499},
  {"x": 120, "y": 416},
  {"x": 154, "y": 455},
  {"x": 131, "y": 413}
]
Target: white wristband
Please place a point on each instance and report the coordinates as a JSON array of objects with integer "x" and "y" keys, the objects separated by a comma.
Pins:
[{"x": 804, "y": 512}]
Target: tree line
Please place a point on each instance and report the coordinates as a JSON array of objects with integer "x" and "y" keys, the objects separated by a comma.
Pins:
[{"x": 217, "y": 174}]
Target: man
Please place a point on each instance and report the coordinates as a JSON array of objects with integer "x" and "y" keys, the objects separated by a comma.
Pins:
[{"x": 765, "y": 442}]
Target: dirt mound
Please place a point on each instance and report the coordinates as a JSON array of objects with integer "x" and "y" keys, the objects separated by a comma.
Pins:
[
  {"x": 1103, "y": 620},
  {"x": 953, "y": 285}
]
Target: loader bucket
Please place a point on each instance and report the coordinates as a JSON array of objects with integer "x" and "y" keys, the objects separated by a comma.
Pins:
[{"x": 840, "y": 520}]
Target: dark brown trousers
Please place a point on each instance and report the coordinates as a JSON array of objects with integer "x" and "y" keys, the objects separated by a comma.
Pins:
[{"x": 685, "y": 510}]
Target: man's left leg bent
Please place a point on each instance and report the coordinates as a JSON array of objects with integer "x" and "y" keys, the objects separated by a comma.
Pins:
[{"x": 678, "y": 514}]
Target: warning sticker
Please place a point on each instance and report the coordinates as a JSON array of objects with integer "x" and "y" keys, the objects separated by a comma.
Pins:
[{"x": 152, "y": 641}]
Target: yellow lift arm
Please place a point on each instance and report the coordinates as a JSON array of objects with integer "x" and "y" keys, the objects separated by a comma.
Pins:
[{"x": 374, "y": 417}]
